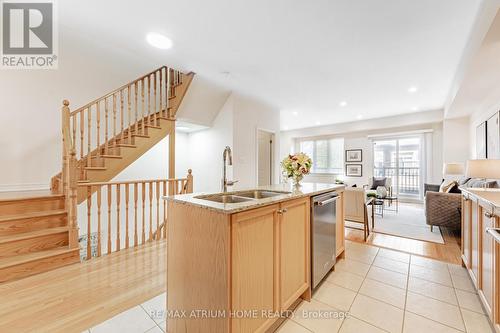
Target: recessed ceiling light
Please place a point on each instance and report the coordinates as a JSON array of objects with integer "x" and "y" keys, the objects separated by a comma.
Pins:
[
  {"x": 285, "y": 127},
  {"x": 359, "y": 116},
  {"x": 318, "y": 123},
  {"x": 159, "y": 41},
  {"x": 412, "y": 89},
  {"x": 414, "y": 108},
  {"x": 343, "y": 103},
  {"x": 182, "y": 128},
  {"x": 295, "y": 113}
]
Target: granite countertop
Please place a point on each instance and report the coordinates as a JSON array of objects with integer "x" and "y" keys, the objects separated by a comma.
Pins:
[
  {"x": 305, "y": 190},
  {"x": 490, "y": 195}
]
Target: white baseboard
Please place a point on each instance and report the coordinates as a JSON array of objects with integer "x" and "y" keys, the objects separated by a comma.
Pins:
[{"x": 24, "y": 187}]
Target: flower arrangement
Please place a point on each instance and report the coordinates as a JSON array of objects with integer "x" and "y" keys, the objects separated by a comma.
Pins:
[{"x": 296, "y": 166}]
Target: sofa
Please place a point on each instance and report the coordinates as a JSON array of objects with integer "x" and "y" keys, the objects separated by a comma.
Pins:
[{"x": 444, "y": 209}]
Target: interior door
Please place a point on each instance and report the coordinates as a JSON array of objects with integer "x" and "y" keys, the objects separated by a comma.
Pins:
[{"x": 265, "y": 153}]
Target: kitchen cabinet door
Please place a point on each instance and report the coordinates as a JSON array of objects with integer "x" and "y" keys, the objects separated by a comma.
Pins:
[
  {"x": 294, "y": 253},
  {"x": 340, "y": 231},
  {"x": 253, "y": 262},
  {"x": 466, "y": 225},
  {"x": 487, "y": 260},
  {"x": 474, "y": 237}
]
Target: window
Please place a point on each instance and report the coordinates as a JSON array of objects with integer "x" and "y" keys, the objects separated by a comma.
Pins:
[{"x": 327, "y": 155}]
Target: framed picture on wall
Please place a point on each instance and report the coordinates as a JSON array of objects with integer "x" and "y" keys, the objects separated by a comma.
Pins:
[
  {"x": 481, "y": 141},
  {"x": 354, "y": 170},
  {"x": 354, "y": 155},
  {"x": 493, "y": 137}
]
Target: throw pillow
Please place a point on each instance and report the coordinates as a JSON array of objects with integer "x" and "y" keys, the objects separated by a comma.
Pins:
[
  {"x": 446, "y": 187},
  {"x": 376, "y": 182}
]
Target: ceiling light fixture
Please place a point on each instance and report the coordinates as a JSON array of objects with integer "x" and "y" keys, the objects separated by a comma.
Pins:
[
  {"x": 295, "y": 113},
  {"x": 359, "y": 116},
  {"x": 343, "y": 103},
  {"x": 159, "y": 41},
  {"x": 182, "y": 128},
  {"x": 412, "y": 89},
  {"x": 285, "y": 127},
  {"x": 318, "y": 123},
  {"x": 414, "y": 108}
]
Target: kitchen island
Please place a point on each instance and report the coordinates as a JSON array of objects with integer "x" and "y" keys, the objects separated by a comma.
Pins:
[{"x": 237, "y": 262}]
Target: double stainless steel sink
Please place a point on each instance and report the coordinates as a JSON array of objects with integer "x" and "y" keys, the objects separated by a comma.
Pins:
[{"x": 243, "y": 196}]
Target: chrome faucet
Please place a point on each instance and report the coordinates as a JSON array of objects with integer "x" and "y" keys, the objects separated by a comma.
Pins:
[{"x": 225, "y": 183}]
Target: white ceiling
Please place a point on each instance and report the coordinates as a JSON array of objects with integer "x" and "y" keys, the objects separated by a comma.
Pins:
[{"x": 299, "y": 56}]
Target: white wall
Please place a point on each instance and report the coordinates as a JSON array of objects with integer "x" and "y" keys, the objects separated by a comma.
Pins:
[
  {"x": 455, "y": 140},
  {"x": 250, "y": 115},
  {"x": 356, "y": 134},
  {"x": 30, "y": 107},
  {"x": 206, "y": 147}
]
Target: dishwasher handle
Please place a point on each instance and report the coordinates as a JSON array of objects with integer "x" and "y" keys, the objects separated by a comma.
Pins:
[{"x": 325, "y": 202}]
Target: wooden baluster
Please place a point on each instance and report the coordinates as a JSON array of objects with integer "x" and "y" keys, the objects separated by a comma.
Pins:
[
  {"x": 98, "y": 117},
  {"x": 143, "y": 108},
  {"x": 99, "y": 221},
  {"x": 109, "y": 218},
  {"x": 135, "y": 214},
  {"x": 121, "y": 117},
  {"x": 89, "y": 134},
  {"x": 82, "y": 134},
  {"x": 167, "y": 92},
  {"x": 158, "y": 210},
  {"x": 89, "y": 222},
  {"x": 73, "y": 130},
  {"x": 136, "y": 110},
  {"x": 126, "y": 217},
  {"x": 164, "y": 209},
  {"x": 143, "y": 187},
  {"x": 106, "y": 136},
  {"x": 162, "y": 113},
  {"x": 155, "y": 116},
  {"x": 150, "y": 211},
  {"x": 129, "y": 112},
  {"x": 118, "y": 196},
  {"x": 176, "y": 187},
  {"x": 149, "y": 99},
  {"x": 190, "y": 181},
  {"x": 114, "y": 121}
]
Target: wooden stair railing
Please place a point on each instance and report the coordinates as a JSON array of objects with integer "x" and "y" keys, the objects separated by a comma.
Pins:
[
  {"x": 112, "y": 131},
  {"x": 125, "y": 214}
]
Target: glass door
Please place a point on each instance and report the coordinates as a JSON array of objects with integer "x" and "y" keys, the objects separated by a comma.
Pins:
[{"x": 400, "y": 160}]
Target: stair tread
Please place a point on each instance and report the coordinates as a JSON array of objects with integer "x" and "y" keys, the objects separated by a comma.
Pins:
[
  {"x": 95, "y": 168},
  {"x": 27, "y": 195},
  {"x": 126, "y": 145},
  {"x": 108, "y": 156},
  {"x": 27, "y": 257},
  {"x": 33, "y": 214},
  {"x": 32, "y": 234}
]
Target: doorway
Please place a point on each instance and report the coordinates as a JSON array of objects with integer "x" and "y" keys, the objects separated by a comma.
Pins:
[
  {"x": 400, "y": 159},
  {"x": 265, "y": 151}
]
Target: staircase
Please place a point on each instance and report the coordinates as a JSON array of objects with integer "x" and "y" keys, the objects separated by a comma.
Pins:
[
  {"x": 39, "y": 231},
  {"x": 34, "y": 235},
  {"x": 111, "y": 132}
]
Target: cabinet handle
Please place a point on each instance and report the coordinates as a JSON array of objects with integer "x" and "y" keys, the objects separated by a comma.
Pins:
[
  {"x": 282, "y": 211},
  {"x": 488, "y": 215}
]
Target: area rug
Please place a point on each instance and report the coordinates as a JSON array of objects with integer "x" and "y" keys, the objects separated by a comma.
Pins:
[{"x": 409, "y": 222}]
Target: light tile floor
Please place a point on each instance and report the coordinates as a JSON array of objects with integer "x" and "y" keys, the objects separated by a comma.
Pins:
[{"x": 372, "y": 290}]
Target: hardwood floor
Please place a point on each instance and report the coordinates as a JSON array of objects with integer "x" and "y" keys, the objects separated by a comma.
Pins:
[
  {"x": 79, "y": 296},
  {"x": 449, "y": 252}
]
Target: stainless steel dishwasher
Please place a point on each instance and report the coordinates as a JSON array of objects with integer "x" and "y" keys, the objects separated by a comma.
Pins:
[{"x": 323, "y": 225}]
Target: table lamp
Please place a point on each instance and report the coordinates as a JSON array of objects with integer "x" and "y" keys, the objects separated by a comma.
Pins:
[
  {"x": 456, "y": 169},
  {"x": 483, "y": 169}
]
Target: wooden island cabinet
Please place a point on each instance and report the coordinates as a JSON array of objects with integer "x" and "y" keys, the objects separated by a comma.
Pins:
[
  {"x": 237, "y": 267},
  {"x": 480, "y": 252}
]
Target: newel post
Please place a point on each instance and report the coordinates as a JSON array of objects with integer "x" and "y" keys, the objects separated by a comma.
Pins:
[{"x": 190, "y": 181}]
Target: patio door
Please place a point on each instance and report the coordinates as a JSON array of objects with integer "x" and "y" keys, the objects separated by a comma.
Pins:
[{"x": 400, "y": 159}]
